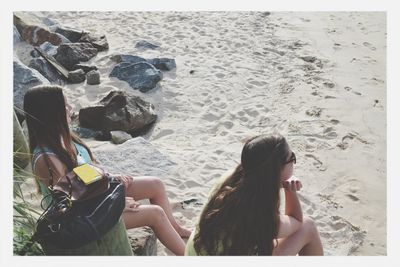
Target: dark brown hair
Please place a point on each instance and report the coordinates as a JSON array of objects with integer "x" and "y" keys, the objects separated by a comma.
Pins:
[
  {"x": 242, "y": 216},
  {"x": 46, "y": 119}
]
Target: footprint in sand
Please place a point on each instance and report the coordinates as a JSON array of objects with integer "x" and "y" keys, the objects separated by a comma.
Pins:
[
  {"x": 286, "y": 88},
  {"x": 329, "y": 84},
  {"x": 350, "y": 137},
  {"x": 348, "y": 88},
  {"x": 314, "y": 112},
  {"x": 317, "y": 163},
  {"x": 370, "y": 46}
]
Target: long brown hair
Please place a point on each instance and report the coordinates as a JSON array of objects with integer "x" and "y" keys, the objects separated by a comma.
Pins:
[
  {"x": 46, "y": 119},
  {"x": 242, "y": 216}
]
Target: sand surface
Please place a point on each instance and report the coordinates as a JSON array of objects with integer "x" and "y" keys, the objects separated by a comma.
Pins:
[{"x": 240, "y": 74}]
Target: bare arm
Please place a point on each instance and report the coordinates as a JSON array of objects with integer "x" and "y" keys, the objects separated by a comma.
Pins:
[
  {"x": 293, "y": 218},
  {"x": 42, "y": 170}
]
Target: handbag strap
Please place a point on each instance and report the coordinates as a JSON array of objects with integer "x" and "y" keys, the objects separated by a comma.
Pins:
[{"x": 50, "y": 169}]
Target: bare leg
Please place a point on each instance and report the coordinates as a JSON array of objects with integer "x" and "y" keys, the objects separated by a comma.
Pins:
[
  {"x": 152, "y": 188},
  {"x": 155, "y": 217},
  {"x": 305, "y": 241}
]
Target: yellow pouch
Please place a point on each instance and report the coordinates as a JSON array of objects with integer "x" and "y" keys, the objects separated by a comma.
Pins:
[{"x": 87, "y": 173}]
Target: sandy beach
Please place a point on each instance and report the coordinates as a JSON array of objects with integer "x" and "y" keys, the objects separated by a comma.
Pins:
[{"x": 318, "y": 78}]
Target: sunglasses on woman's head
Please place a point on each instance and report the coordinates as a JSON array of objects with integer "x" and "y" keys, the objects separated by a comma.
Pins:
[{"x": 292, "y": 158}]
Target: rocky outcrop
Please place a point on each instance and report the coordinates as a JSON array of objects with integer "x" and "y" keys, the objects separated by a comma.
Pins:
[
  {"x": 34, "y": 31},
  {"x": 119, "y": 111},
  {"x": 25, "y": 78},
  {"x": 71, "y": 54},
  {"x": 141, "y": 76},
  {"x": 71, "y": 34},
  {"x": 135, "y": 156},
  {"x": 46, "y": 70},
  {"x": 97, "y": 40}
]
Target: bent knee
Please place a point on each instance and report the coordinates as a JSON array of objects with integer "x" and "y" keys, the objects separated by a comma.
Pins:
[
  {"x": 157, "y": 215},
  {"x": 309, "y": 225},
  {"x": 156, "y": 183}
]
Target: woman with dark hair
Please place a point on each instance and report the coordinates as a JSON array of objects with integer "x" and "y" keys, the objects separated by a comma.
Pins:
[
  {"x": 48, "y": 120},
  {"x": 242, "y": 215}
]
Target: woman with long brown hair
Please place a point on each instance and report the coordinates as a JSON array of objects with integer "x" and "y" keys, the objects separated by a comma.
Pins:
[
  {"x": 242, "y": 215},
  {"x": 51, "y": 141}
]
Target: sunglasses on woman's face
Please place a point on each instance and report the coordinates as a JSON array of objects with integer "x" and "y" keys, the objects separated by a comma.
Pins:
[{"x": 292, "y": 158}]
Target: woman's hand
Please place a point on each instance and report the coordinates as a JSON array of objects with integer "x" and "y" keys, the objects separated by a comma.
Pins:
[
  {"x": 292, "y": 184},
  {"x": 126, "y": 180},
  {"x": 131, "y": 205}
]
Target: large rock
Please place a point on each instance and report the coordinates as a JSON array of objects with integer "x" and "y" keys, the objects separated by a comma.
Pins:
[
  {"x": 135, "y": 156},
  {"x": 143, "y": 241},
  {"x": 73, "y": 53},
  {"x": 71, "y": 34},
  {"x": 46, "y": 70},
  {"x": 47, "y": 47},
  {"x": 141, "y": 76},
  {"x": 25, "y": 78},
  {"x": 158, "y": 63},
  {"x": 34, "y": 31},
  {"x": 119, "y": 111},
  {"x": 97, "y": 40},
  {"x": 16, "y": 36}
]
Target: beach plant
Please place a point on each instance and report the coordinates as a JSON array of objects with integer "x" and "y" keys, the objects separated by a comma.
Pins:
[{"x": 24, "y": 215}]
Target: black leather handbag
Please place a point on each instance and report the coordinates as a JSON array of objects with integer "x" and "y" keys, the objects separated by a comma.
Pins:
[{"x": 69, "y": 224}]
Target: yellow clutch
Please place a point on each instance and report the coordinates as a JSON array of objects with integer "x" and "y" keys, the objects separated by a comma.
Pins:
[{"x": 87, "y": 173}]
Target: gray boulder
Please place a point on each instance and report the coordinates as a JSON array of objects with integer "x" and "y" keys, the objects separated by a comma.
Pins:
[
  {"x": 71, "y": 54},
  {"x": 141, "y": 76},
  {"x": 71, "y": 34},
  {"x": 119, "y": 137},
  {"x": 135, "y": 156},
  {"x": 34, "y": 31},
  {"x": 97, "y": 40},
  {"x": 146, "y": 45},
  {"x": 16, "y": 36},
  {"x": 93, "y": 77},
  {"x": 158, "y": 63},
  {"x": 25, "y": 78},
  {"x": 76, "y": 76},
  {"x": 143, "y": 241},
  {"x": 46, "y": 70},
  {"x": 163, "y": 63},
  {"x": 119, "y": 111},
  {"x": 47, "y": 47}
]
